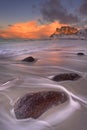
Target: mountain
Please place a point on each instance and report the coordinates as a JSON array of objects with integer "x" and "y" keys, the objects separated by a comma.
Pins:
[
  {"x": 67, "y": 32},
  {"x": 82, "y": 34}
]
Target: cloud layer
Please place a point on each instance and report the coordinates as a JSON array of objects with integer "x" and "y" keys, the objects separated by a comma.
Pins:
[
  {"x": 31, "y": 29},
  {"x": 83, "y": 9},
  {"x": 53, "y": 10}
]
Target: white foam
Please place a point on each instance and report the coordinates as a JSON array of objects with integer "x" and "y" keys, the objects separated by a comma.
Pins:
[{"x": 8, "y": 84}]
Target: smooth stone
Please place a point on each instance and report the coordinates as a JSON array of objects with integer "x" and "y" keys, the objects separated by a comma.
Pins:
[
  {"x": 80, "y": 54},
  {"x": 29, "y": 59},
  {"x": 33, "y": 105},
  {"x": 66, "y": 76}
]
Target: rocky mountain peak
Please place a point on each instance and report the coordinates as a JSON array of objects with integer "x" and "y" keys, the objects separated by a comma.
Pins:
[{"x": 69, "y": 32}]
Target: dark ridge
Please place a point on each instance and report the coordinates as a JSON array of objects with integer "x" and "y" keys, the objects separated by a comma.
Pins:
[
  {"x": 35, "y": 104},
  {"x": 66, "y": 76}
]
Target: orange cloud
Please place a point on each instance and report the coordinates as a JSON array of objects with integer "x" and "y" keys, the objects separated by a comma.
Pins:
[{"x": 31, "y": 29}]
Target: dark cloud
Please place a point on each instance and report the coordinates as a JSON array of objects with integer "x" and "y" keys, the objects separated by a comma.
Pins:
[
  {"x": 84, "y": 23},
  {"x": 83, "y": 8},
  {"x": 53, "y": 10}
]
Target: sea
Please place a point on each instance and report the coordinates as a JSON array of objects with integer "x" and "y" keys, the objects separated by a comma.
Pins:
[{"x": 17, "y": 78}]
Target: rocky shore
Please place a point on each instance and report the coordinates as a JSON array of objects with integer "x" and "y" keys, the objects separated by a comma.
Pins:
[{"x": 33, "y": 105}]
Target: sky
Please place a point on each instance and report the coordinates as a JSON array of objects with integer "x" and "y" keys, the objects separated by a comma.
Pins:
[{"x": 40, "y": 18}]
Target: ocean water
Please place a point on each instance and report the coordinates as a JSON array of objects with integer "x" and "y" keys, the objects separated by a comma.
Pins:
[{"x": 18, "y": 78}]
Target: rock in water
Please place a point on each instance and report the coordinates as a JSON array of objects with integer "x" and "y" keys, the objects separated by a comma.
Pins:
[
  {"x": 66, "y": 76},
  {"x": 29, "y": 59},
  {"x": 80, "y": 54},
  {"x": 35, "y": 104}
]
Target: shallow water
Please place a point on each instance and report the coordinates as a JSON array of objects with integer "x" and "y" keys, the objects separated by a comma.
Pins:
[{"x": 18, "y": 78}]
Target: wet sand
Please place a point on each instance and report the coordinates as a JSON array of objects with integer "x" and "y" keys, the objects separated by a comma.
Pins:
[{"x": 17, "y": 78}]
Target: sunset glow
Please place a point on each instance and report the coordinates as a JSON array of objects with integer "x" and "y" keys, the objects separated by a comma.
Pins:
[
  {"x": 39, "y": 18},
  {"x": 30, "y": 29}
]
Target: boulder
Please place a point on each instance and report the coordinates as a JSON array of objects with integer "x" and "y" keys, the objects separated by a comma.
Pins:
[
  {"x": 80, "y": 54},
  {"x": 29, "y": 59},
  {"x": 33, "y": 105},
  {"x": 66, "y": 76}
]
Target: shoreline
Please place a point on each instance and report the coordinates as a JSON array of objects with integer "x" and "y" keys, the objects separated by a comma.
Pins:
[{"x": 18, "y": 78}]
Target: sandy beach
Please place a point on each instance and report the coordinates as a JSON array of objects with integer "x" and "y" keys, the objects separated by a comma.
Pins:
[{"x": 53, "y": 57}]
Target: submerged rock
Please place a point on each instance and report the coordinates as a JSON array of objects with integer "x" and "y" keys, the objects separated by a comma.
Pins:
[
  {"x": 80, "y": 54},
  {"x": 29, "y": 59},
  {"x": 66, "y": 76},
  {"x": 35, "y": 104}
]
